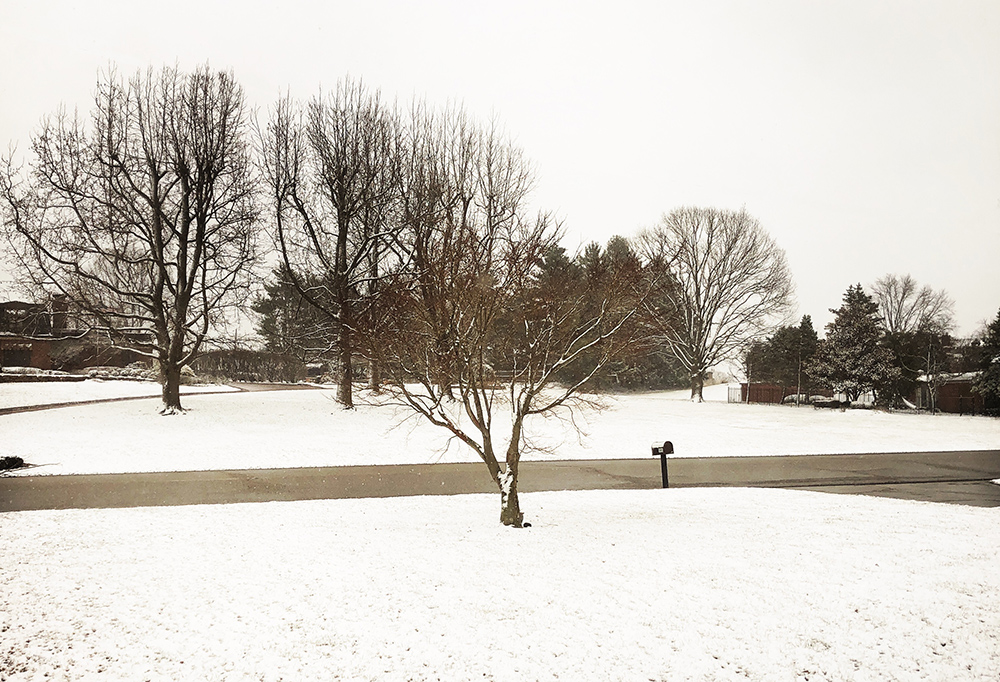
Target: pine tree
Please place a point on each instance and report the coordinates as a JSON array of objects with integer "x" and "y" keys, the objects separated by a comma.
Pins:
[
  {"x": 852, "y": 360},
  {"x": 557, "y": 272},
  {"x": 290, "y": 324},
  {"x": 988, "y": 382},
  {"x": 783, "y": 359},
  {"x": 588, "y": 277},
  {"x": 592, "y": 263},
  {"x": 807, "y": 344}
]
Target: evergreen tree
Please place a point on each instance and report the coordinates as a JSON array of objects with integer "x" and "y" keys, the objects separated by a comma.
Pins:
[
  {"x": 783, "y": 359},
  {"x": 557, "y": 271},
  {"x": 759, "y": 361},
  {"x": 988, "y": 382},
  {"x": 592, "y": 263},
  {"x": 290, "y": 324},
  {"x": 588, "y": 277},
  {"x": 807, "y": 343},
  {"x": 852, "y": 360},
  {"x": 619, "y": 256}
]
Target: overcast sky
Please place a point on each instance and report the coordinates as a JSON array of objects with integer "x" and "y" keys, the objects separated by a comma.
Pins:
[{"x": 864, "y": 135}]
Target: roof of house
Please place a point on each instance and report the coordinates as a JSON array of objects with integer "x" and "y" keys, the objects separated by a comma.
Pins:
[
  {"x": 966, "y": 376},
  {"x": 10, "y": 292}
]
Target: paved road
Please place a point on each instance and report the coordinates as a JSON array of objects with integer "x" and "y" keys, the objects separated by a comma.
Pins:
[
  {"x": 834, "y": 470},
  {"x": 18, "y": 493},
  {"x": 956, "y": 477},
  {"x": 968, "y": 493},
  {"x": 949, "y": 477}
]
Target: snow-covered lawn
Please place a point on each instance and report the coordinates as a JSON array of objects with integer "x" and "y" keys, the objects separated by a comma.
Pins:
[
  {"x": 689, "y": 584},
  {"x": 683, "y": 584},
  {"x": 307, "y": 428},
  {"x": 49, "y": 393}
]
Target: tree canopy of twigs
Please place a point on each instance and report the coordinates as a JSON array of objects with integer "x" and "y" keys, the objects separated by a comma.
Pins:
[
  {"x": 142, "y": 216},
  {"x": 917, "y": 322},
  {"x": 725, "y": 281},
  {"x": 331, "y": 168},
  {"x": 908, "y": 308}
]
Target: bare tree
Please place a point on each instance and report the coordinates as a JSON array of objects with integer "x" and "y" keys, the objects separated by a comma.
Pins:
[
  {"x": 726, "y": 282},
  {"x": 917, "y": 321},
  {"x": 477, "y": 342},
  {"x": 908, "y": 308},
  {"x": 144, "y": 218},
  {"x": 331, "y": 169}
]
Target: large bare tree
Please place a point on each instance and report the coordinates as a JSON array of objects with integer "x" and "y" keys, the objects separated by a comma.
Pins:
[
  {"x": 477, "y": 342},
  {"x": 725, "y": 281},
  {"x": 332, "y": 173},
  {"x": 917, "y": 322},
  {"x": 908, "y": 308},
  {"x": 143, "y": 215}
]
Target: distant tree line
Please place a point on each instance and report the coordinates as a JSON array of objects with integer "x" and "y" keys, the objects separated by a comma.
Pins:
[
  {"x": 366, "y": 199},
  {"x": 883, "y": 344},
  {"x": 241, "y": 364}
]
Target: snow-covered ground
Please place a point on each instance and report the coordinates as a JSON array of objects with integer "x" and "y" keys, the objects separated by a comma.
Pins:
[
  {"x": 682, "y": 584},
  {"x": 687, "y": 584},
  {"x": 49, "y": 393},
  {"x": 307, "y": 428}
]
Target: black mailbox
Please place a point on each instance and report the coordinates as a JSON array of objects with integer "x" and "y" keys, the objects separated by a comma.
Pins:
[{"x": 662, "y": 451}]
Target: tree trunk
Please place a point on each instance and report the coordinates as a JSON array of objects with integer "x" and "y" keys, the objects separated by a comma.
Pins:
[
  {"x": 510, "y": 507},
  {"x": 345, "y": 390},
  {"x": 171, "y": 374},
  {"x": 374, "y": 376},
  {"x": 798, "y": 382},
  {"x": 698, "y": 386}
]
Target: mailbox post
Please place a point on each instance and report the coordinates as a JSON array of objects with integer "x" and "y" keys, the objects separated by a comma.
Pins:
[{"x": 662, "y": 451}]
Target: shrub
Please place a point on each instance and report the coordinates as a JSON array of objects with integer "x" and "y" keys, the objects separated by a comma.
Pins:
[{"x": 10, "y": 462}]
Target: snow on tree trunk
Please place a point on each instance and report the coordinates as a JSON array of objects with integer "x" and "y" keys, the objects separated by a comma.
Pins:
[
  {"x": 697, "y": 387},
  {"x": 510, "y": 507}
]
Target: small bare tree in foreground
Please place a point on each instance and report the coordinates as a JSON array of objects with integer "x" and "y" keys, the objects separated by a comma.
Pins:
[
  {"x": 144, "y": 219},
  {"x": 725, "y": 282},
  {"x": 475, "y": 336}
]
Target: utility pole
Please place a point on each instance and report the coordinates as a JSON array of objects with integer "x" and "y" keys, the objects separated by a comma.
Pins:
[{"x": 798, "y": 376}]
